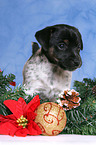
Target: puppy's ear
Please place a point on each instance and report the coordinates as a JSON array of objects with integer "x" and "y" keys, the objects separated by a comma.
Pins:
[
  {"x": 35, "y": 47},
  {"x": 43, "y": 37}
]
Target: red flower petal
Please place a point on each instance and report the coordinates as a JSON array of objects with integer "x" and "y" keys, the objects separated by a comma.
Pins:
[
  {"x": 12, "y": 105},
  {"x": 31, "y": 115},
  {"x": 7, "y": 129},
  {"x": 34, "y": 103},
  {"x": 22, "y": 132},
  {"x": 18, "y": 108},
  {"x": 8, "y": 118},
  {"x": 22, "y": 106},
  {"x": 34, "y": 129}
]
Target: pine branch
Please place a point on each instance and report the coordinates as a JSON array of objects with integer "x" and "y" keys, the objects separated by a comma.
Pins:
[{"x": 80, "y": 120}]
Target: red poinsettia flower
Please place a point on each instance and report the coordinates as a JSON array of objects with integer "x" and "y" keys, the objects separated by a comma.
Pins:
[{"x": 21, "y": 122}]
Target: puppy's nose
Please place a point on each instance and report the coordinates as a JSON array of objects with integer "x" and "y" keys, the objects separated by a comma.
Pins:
[
  {"x": 77, "y": 63},
  {"x": 74, "y": 62}
]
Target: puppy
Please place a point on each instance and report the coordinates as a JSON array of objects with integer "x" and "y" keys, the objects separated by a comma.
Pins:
[{"x": 49, "y": 70}]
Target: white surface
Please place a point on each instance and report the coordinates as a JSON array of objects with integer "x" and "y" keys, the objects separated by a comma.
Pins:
[{"x": 48, "y": 140}]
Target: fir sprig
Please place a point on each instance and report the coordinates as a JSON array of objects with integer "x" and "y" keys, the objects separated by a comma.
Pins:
[{"x": 5, "y": 83}]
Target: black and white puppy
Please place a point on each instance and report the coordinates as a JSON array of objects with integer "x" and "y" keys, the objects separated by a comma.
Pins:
[{"x": 49, "y": 70}]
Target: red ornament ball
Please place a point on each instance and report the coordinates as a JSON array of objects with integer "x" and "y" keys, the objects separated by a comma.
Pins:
[{"x": 51, "y": 118}]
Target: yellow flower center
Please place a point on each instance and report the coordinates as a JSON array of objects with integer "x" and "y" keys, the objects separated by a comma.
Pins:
[{"x": 22, "y": 121}]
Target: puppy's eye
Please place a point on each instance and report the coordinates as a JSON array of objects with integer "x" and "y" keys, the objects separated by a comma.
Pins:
[{"x": 61, "y": 46}]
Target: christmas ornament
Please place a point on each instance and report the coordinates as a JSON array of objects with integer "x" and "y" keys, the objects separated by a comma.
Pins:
[
  {"x": 51, "y": 118},
  {"x": 69, "y": 100},
  {"x": 21, "y": 122}
]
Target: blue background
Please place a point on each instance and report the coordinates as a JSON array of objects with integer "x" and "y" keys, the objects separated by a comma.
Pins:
[{"x": 20, "y": 19}]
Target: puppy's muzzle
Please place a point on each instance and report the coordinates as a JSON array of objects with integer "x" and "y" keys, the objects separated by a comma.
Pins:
[{"x": 74, "y": 63}]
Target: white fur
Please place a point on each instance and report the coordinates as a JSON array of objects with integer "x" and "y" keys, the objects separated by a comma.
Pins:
[{"x": 41, "y": 76}]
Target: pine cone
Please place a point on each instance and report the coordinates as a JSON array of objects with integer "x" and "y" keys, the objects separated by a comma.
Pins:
[
  {"x": 69, "y": 100},
  {"x": 94, "y": 90}
]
